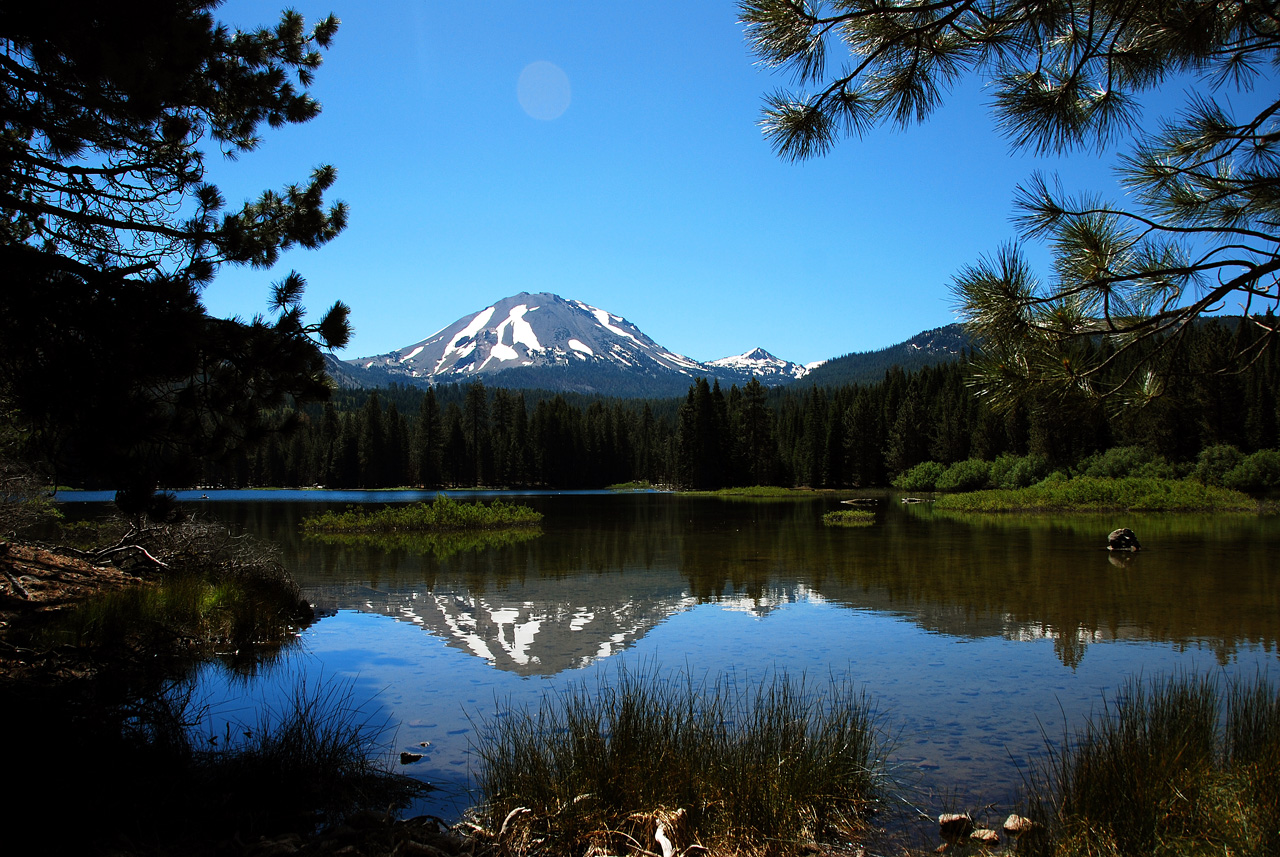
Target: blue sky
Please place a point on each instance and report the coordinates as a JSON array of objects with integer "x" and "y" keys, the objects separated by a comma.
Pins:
[{"x": 653, "y": 194}]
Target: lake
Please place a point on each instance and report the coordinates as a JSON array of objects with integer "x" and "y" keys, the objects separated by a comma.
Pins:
[{"x": 977, "y": 637}]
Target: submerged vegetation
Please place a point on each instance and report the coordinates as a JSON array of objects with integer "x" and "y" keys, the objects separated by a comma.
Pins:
[
  {"x": 439, "y": 545},
  {"x": 764, "y": 491},
  {"x": 1170, "y": 767},
  {"x": 642, "y": 758},
  {"x": 849, "y": 518},
  {"x": 444, "y": 514}
]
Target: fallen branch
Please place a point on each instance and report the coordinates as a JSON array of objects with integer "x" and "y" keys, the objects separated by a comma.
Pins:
[{"x": 139, "y": 548}]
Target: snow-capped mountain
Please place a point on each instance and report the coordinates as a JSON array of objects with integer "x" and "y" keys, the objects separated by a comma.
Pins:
[
  {"x": 764, "y": 366},
  {"x": 543, "y": 340}
]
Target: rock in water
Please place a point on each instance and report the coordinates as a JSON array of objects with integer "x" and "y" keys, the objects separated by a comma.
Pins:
[
  {"x": 1123, "y": 539},
  {"x": 955, "y": 826},
  {"x": 985, "y": 836},
  {"x": 1016, "y": 825}
]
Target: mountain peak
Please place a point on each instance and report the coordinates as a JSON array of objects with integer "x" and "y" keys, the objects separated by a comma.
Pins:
[{"x": 543, "y": 340}]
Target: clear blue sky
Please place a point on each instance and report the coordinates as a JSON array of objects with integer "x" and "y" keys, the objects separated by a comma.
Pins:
[{"x": 652, "y": 195}]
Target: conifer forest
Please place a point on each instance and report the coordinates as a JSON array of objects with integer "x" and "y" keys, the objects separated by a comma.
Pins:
[{"x": 856, "y": 435}]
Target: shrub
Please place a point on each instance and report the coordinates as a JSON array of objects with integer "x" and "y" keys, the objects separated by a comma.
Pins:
[
  {"x": 1121, "y": 461},
  {"x": 1086, "y": 493},
  {"x": 1014, "y": 471},
  {"x": 1256, "y": 474},
  {"x": 1214, "y": 462},
  {"x": 967, "y": 475},
  {"x": 922, "y": 477}
]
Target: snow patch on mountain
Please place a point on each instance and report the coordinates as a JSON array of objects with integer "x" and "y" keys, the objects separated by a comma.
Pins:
[
  {"x": 762, "y": 365},
  {"x": 547, "y": 333}
]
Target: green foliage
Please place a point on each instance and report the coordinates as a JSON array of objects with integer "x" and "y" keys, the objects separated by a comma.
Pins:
[
  {"x": 758, "y": 768},
  {"x": 1088, "y": 493},
  {"x": 1161, "y": 772},
  {"x": 1214, "y": 462},
  {"x": 444, "y": 514},
  {"x": 1123, "y": 461},
  {"x": 968, "y": 475},
  {"x": 1201, "y": 230},
  {"x": 849, "y": 518},
  {"x": 1256, "y": 474},
  {"x": 922, "y": 477},
  {"x": 1018, "y": 471}
]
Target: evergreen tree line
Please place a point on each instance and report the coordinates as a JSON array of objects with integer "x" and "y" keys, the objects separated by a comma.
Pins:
[{"x": 857, "y": 435}]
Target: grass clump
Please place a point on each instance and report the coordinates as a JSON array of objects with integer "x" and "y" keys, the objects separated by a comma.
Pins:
[
  {"x": 642, "y": 757},
  {"x": 443, "y": 515},
  {"x": 318, "y": 756},
  {"x": 849, "y": 518},
  {"x": 1170, "y": 767},
  {"x": 635, "y": 485},
  {"x": 1090, "y": 494}
]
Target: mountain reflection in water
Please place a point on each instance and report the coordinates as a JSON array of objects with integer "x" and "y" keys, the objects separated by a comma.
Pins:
[{"x": 609, "y": 568}]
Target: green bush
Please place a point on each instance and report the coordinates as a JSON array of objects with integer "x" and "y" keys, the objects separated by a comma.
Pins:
[
  {"x": 1121, "y": 461},
  {"x": 1018, "y": 471},
  {"x": 1214, "y": 462},
  {"x": 1256, "y": 474},
  {"x": 922, "y": 477},
  {"x": 967, "y": 475},
  {"x": 1087, "y": 493}
]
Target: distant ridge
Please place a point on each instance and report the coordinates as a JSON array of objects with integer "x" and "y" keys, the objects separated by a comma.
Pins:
[
  {"x": 545, "y": 342},
  {"x": 940, "y": 345}
]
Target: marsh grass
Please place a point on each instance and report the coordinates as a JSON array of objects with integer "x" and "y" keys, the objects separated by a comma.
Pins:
[
  {"x": 764, "y": 770},
  {"x": 1170, "y": 767},
  {"x": 1087, "y": 493},
  {"x": 849, "y": 518},
  {"x": 317, "y": 757},
  {"x": 444, "y": 514}
]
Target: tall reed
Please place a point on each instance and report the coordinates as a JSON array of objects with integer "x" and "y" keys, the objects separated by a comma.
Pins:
[
  {"x": 726, "y": 766},
  {"x": 1171, "y": 766}
]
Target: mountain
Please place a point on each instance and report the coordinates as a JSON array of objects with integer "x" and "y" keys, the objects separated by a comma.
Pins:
[
  {"x": 531, "y": 341},
  {"x": 940, "y": 345},
  {"x": 763, "y": 365}
]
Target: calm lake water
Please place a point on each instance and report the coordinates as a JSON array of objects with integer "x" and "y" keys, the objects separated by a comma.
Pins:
[{"x": 977, "y": 637}]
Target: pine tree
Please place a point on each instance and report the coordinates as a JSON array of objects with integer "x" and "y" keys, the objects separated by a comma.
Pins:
[
  {"x": 1202, "y": 229},
  {"x": 109, "y": 231}
]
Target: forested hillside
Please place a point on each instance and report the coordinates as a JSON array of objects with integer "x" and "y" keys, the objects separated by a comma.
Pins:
[
  {"x": 850, "y": 435},
  {"x": 940, "y": 345}
]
